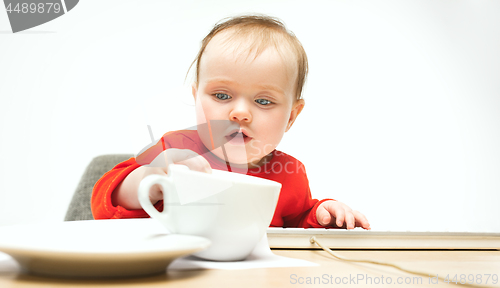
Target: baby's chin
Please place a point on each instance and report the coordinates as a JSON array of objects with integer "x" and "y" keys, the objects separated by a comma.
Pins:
[
  {"x": 231, "y": 157},
  {"x": 239, "y": 160},
  {"x": 238, "y": 155}
]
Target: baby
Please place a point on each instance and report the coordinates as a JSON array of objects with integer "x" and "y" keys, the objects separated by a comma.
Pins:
[{"x": 250, "y": 72}]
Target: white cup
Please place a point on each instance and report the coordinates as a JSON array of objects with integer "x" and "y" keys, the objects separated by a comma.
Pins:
[{"x": 232, "y": 210}]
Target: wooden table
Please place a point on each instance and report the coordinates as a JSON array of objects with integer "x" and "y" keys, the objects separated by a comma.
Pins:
[{"x": 330, "y": 271}]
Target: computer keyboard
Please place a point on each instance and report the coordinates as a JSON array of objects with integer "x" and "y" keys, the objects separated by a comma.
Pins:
[{"x": 367, "y": 239}]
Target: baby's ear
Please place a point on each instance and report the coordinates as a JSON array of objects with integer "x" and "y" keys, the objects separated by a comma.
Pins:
[
  {"x": 194, "y": 89},
  {"x": 296, "y": 109}
]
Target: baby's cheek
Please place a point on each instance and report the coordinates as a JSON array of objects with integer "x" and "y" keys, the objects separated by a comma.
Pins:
[
  {"x": 200, "y": 114},
  {"x": 273, "y": 136}
]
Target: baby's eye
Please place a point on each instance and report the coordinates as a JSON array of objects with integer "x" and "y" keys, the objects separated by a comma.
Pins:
[
  {"x": 263, "y": 101},
  {"x": 222, "y": 96}
]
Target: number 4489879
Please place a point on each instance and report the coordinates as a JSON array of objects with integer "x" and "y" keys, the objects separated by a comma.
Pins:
[
  {"x": 472, "y": 279},
  {"x": 34, "y": 8}
]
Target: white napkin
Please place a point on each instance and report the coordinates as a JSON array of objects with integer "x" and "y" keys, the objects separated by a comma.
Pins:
[{"x": 261, "y": 257}]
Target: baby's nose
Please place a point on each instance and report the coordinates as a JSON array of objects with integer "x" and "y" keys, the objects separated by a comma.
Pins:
[
  {"x": 240, "y": 117},
  {"x": 240, "y": 113}
]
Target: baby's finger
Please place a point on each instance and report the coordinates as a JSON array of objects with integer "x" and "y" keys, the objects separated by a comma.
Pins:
[
  {"x": 361, "y": 220},
  {"x": 187, "y": 157},
  {"x": 171, "y": 156},
  {"x": 349, "y": 219},
  {"x": 339, "y": 215},
  {"x": 197, "y": 164},
  {"x": 324, "y": 218}
]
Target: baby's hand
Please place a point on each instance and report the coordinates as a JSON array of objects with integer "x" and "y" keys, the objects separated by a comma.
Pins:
[
  {"x": 125, "y": 194},
  {"x": 335, "y": 214},
  {"x": 187, "y": 157},
  {"x": 159, "y": 165}
]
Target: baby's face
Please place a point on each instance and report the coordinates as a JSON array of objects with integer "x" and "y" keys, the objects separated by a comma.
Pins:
[{"x": 256, "y": 95}]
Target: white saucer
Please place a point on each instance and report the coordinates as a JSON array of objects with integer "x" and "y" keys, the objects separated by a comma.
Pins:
[{"x": 97, "y": 248}]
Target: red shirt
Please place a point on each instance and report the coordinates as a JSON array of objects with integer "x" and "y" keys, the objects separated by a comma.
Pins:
[{"x": 295, "y": 206}]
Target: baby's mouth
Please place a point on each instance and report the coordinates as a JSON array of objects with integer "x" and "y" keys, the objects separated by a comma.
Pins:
[{"x": 238, "y": 138}]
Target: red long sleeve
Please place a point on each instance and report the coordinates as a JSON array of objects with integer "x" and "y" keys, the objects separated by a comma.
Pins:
[{"x": 295, "y": 207}]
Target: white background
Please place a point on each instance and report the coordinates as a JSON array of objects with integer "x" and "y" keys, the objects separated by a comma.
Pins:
[{"x": 402, "y": 115}]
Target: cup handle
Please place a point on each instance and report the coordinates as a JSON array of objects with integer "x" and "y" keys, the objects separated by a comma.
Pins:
[{"x": 168, "y": 186}]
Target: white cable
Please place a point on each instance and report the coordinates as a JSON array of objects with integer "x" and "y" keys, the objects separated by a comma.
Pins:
[{"x": 313, "y": 240}]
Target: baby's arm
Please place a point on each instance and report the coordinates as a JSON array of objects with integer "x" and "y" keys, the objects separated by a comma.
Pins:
[
  {"x": 125, "y": 194},
  {"x": 335, "y": 214}
]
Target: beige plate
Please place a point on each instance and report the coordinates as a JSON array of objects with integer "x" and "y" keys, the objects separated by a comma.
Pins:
[{"x": 96, "y": 248}]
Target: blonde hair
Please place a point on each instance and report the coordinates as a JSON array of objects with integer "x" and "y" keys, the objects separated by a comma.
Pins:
[{"x": 266, "y": 31}]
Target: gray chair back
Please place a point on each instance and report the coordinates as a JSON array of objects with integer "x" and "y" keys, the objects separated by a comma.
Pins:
[{"x": 79, "y": 208}]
